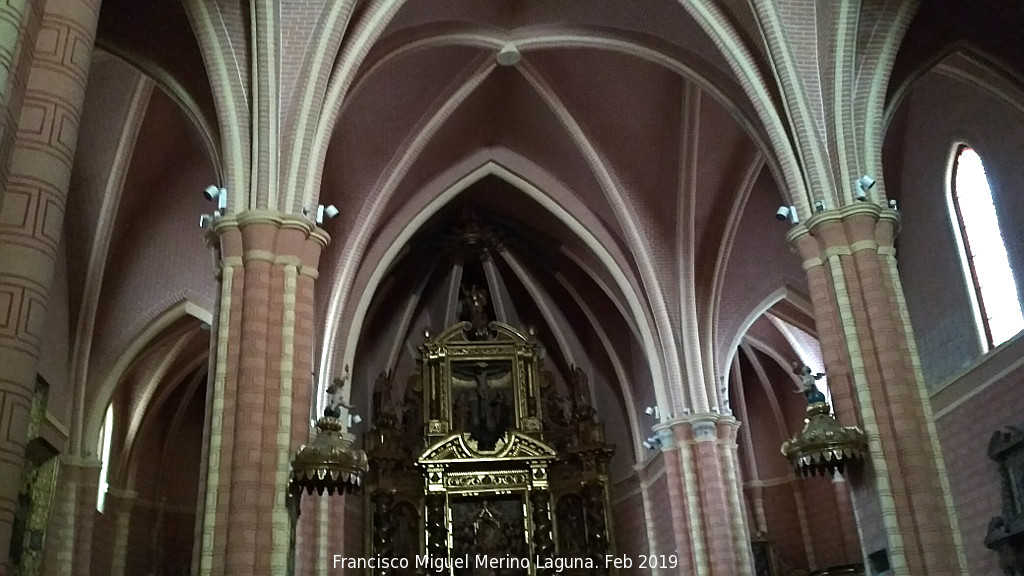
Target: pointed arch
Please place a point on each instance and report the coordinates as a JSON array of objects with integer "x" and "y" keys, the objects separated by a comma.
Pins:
[
  {"x": 994, "y": 294},
  {"x": 1014, "y": 97},
  {"x": 342, "y": 333},
  {"x": 784, "y": 293},
  {"x": 228, "y": 79},
  {"x": 157, "y": 328}
]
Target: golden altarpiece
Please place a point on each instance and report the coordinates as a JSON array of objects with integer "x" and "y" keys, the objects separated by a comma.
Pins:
[{"x": 484, "y": 457}]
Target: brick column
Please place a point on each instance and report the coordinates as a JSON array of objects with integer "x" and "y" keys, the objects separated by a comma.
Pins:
[
  {"x": 682, "y": 501},
  {"x": 708, "y": 518},
  {"x": 69, "y": 535},
  {"x": 35, "y": 188},
  {"x": 902, "y": 492},
  {"x": 119, "y": 503},
  {"x": 19, "y": 27},
  {"x": 728, "y": 450},
  {"x": 701, "y": 436},
  {"x": 260, "y": 402}
]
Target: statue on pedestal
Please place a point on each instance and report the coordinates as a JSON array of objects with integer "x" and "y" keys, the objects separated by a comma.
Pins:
[
  {"x": 808, "y": 382},
  {"x": 475, "y": 301},
  {"x": 336, "y": 395}
]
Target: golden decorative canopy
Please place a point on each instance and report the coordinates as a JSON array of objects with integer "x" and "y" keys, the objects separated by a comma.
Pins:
[
  {"x": 824, "y": 444},
  {"x": 329, "y": 463}
]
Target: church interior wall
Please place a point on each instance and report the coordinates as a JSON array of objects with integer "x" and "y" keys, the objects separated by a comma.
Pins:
[
  {"x": 354, "y": 517},
  {"x": 771, "y": 473},
  {"x": 969, "y": 388},
  {"x": 944, "y": 112},
  {"x": 817, "y": 498},
  {"x": 152, "y": 265},
  {"x": 630, "y": 521},
  {"x": 154, "y": 489},
  {"x": 759, "y": 252},
  {"x": 660, "y": 519},
  {"x": 974, "y": 479}
]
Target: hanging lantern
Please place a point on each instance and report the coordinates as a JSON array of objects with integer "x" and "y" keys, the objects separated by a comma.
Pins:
[
  {"x": 330, "y": 463},
  {"x": 823, "y": 445}
]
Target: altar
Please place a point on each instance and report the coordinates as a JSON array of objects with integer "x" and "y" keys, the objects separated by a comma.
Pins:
[{"x": 484, "y": 469}]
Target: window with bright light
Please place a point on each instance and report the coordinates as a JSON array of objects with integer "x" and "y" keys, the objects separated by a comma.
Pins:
[
  {"x": 997, "y": 305},
  {"x": 103, "y": 449}
]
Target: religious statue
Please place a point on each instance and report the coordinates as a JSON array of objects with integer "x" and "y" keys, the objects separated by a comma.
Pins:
[
  {"x": 554, "y": 409},
  {"x": 336, "y": 395},
  {"x": 475, "y": 302},
  {"x": 808, "y": 379},
  {"x": 382, "y": 394},
  {"x": 491, "y": 417},
  {"x": 412, "y": 406},
  {"x": 580, "y": 395}
]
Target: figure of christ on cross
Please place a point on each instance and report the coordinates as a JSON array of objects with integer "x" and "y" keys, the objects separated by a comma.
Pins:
[{"x": 492, "y": 414}]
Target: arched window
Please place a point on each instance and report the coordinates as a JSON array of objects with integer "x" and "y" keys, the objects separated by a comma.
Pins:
[
  {"x": 997, "y": 306},
  {"x": 103, "y": 449}
]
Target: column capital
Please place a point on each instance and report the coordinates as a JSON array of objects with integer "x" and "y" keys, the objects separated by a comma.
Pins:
[
  {"x": 821, "y": 224},
  {"x": 699, "y": 427},
  {"x": 270, "y": 236},
  {"x": 274, "y": 219}
]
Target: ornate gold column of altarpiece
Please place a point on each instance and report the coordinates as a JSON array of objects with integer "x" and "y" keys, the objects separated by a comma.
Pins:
[{"x": 484, "y": 457}]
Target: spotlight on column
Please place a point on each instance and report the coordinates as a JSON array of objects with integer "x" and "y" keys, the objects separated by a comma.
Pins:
[
  {"x": 787, "y": 212},
  {"x": 205, "y": 221},
  {"x": 653, "y": 411},
  {"x": 354, "y": 419},
  {"x": 893, "y": 205},
  {"x": 819, "y": 205},
  {"x": 219, "y": 194},
  {"x": 864, "y": 184},
  {"x": 329, "y": 212},
  {"x": 652, "y": 443}
]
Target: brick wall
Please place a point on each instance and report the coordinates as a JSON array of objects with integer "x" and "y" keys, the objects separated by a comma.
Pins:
[
  {"x": 939, "y": 113},
  {"x": 967, "y": 413},
  {"x": 630, "y": 523},
  {"x": 661, "y": 514},
  {"x": 972, "y": 395},
  {"x": 784, "y": 525},
  {"x": 102, "y": 542}
]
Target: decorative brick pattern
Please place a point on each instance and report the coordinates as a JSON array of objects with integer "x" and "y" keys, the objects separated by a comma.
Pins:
[
  {"x": 38, "y": 171},
  {"x": 19, "y": 30}
]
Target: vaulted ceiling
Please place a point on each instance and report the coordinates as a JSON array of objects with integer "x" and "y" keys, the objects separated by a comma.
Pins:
[{"x": 620, "y": 154}]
